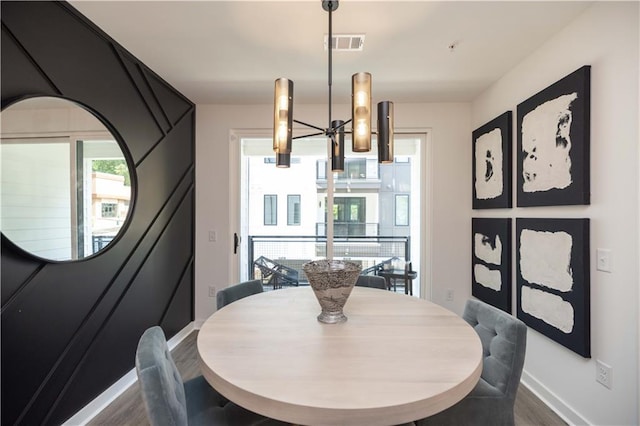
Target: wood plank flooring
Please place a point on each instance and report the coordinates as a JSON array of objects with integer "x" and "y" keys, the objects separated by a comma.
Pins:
[{"x": 128, "y": 409}]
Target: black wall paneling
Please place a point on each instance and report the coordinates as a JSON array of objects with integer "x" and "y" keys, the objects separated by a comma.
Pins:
[{"x": 70, "y": 329}]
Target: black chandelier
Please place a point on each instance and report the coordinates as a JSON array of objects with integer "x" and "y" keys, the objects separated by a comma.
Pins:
[{"x": 360, "y": 117}]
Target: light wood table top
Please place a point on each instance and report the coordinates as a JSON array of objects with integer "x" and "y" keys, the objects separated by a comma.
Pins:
[{"x": 396, "y": 359}]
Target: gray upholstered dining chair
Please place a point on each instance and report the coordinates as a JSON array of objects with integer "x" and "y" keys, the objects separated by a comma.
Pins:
[
  {"x": 238, "y": 291},
  {"x": 372, "y": 281},
  {"x": 491, "y": 402},
  {"x": 170, "y": 401}
]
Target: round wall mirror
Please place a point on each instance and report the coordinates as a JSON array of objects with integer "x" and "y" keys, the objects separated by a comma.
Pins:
[{"x": 65, "y": 181}]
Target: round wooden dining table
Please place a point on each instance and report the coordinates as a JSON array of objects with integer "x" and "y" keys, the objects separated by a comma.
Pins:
[{"x": 396, "y": 359}]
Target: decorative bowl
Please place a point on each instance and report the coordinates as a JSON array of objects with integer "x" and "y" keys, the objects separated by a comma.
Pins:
[{"x": 332, "y": 282}]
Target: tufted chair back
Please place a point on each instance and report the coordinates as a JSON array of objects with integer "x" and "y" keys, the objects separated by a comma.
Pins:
[
  {"x": 503, "y": 340},
  {"x": 238, "y": 291},
  {"x": 491, "y": 402},
  {"x": 161, "y": 384}
]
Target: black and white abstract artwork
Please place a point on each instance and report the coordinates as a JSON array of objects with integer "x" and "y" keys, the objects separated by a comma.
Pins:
[
  {"x": 492, "y": 163},
  {"x": 552, "y": 273},
  {"x": 553, "y": 143},
  {"x": 491, "y": 261}
]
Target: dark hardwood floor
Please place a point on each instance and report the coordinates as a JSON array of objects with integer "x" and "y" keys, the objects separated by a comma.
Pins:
[{"x": 128, "y": 408}]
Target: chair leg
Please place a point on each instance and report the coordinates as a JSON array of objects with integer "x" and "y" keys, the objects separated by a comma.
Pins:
[
  {"x": 388, "y": 281},
  {"x": 408, "y": 286}
]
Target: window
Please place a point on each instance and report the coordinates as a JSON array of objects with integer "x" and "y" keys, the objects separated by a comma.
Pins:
[
  {"x": 354, "y": 168},
  {"x": 321, "y": 170},
  {"x": 402, "y": 210},
  {"x": 349, "y": 215},
  {"x": 109, "y": 209},
  {"x": 270, "y": 209},
  {"x": 293, "y": 210}
]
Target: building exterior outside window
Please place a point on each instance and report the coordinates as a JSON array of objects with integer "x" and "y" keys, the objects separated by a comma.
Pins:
[
  {"x": 364, "y": 196},
  {"x": 110, "y": 197}
]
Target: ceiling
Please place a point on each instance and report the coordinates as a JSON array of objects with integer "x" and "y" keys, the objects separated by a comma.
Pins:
[{"x": 230, "y": 52}]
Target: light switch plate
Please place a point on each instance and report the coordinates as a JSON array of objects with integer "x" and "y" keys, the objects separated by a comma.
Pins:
[{"x": 604, "y": 260}]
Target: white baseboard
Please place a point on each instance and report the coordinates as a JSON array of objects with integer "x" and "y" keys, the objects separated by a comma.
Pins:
[
  {"x": 101, "y": 402},
  {"x": 567, "y": 413}
]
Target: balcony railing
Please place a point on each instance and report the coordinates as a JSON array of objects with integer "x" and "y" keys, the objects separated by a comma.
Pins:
[
  {"x": 345, "y": 229},
  {"x": 100, "y": 241},
  {"x": 293, "y": 251}
]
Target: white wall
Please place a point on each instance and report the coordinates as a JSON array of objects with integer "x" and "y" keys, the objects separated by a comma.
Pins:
[
  {"x": 449, "y": 206},
  {"x": 605, "y": 37}
]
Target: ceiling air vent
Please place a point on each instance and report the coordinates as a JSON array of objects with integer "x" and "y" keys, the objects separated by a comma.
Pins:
[{"x": 345, "y": 42}]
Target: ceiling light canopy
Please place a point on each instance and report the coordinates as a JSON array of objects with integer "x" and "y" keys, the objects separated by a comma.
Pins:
[{"x": 360, "y": 117}]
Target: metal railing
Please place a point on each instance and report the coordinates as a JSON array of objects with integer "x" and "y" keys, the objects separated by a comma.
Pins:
[
  {"x": 100, "y": 241},
  {"x": 344, "y": 229},
  {"x": 293, "y": 251}
]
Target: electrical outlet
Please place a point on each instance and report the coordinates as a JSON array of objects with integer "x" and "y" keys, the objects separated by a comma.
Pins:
[
  {"x": 212, "y": 291},
  {"x": 604, "y": 374},
  {"x": 449, "y": 295}
]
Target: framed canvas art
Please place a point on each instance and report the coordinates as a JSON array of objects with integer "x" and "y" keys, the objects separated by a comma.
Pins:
[
  {"x": 553, "y": 143},
  {"x": 492, "y": 163},
  {"x": 491, "y": 261},
  {"x": 552, "y": 273}
]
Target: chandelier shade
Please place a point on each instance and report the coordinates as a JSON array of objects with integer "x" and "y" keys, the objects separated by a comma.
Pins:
[
  {"x": 283, "y": 160},
  {"x": 385, "y": 132},
  {"x": 361, "y": 112},
  {"x": 283, "y": 116},
  {"x": 337, "y": 148}
]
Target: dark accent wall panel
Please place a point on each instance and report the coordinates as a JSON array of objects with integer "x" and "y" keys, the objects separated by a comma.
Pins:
[
  {"x": 69, "y": 330},
  {"x": 18, "y": 69},
  {"x": 137, "y": 74}
]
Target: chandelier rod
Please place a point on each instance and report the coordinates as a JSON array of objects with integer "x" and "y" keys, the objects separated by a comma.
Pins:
[
  {"x": 323, "y": 132},
  {"x": 330, "y": 131},
  {"x": 309, "y": 125}
]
